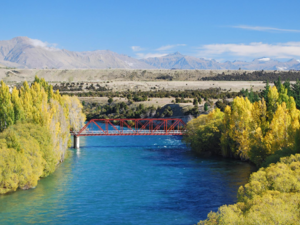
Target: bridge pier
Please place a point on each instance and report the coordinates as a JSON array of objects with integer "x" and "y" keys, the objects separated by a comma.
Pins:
[{"x": 76, "y": 141}]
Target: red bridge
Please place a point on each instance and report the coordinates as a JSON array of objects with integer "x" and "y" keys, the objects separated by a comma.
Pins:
[{"x": 122, "y": 127}]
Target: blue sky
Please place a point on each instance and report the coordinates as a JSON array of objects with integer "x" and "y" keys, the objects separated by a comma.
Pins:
[{"x": 223, "y": 30}]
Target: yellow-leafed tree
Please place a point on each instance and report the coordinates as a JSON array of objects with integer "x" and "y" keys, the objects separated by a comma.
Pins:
[
  {"x": 40, "y": 136},
  {"x": 204, "y": 132}
]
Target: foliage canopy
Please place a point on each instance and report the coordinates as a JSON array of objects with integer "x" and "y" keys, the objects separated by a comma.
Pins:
[{"x": 35, "y": 124}]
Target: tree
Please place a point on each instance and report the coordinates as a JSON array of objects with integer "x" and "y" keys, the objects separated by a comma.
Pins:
[
  {"x": 199, "y": 100},
  {"x": 296, "y": 93},
  {"x": 110, "y": 100},
  {"x": 33, "y": 148},
  {"x": 264, "y": 93},
  {"x": 238, "y": 128},
  {"x": 195, "y": 103},
  {"x": 287, "y": 86},
  {"x": 205, "y": 106},
  {"x": 278, "y": 84},
  {"x": 18, "y": 107},
  {"x": 272, "y": 102},
  {"x": 204, "y": 132},
  {"x": 252, "y": 97},
  {"x": 7, "y": 116}
]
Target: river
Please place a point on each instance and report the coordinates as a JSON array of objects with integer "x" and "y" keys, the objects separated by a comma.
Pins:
[{"x": 149, "y": 180}]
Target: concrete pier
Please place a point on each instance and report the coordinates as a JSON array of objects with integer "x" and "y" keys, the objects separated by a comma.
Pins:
[{"x": 76, "y": 141}]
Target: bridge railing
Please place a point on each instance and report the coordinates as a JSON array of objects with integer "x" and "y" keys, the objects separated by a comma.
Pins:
[{"x": 149, "y": 126}]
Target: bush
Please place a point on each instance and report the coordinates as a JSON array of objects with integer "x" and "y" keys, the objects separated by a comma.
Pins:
[
  {"x": 272, "y": 196},
  {"x": 27, "y": 153},
  {"x": 204, "y": 133}
]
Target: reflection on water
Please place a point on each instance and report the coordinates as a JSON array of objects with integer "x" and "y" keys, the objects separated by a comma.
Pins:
[{"x": 128, "y": 180}]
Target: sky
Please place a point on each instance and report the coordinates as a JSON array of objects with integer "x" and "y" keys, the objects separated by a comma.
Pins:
[{"x": 222, "y": 30}]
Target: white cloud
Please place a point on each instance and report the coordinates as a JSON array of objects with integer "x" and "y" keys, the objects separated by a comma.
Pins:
[
  {"x": 45, "y": 45},
  {"x": 264, "y": 59},
  {"x": 168, "y": 47},
  {"x": 159, "y": 52},
  {"x": 129, "y": 64},
  {"x": 281, "y": 68},
  {"x": 252, "y": 50},
  {"x": 149, "y": 55},
  {"x": 258, "y": 28},
  {"x": 298, "y": 60},
  {"x": 137, "y": 48}
]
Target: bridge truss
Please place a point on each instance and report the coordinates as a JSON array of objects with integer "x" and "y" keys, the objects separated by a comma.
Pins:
[{"x": 123, "y": 127}]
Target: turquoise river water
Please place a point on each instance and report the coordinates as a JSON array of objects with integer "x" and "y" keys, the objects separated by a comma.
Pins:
[{"x": 128, "y": 180}]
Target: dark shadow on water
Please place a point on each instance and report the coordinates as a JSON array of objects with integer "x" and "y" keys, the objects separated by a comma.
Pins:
[{"x": 210, "y": 181}]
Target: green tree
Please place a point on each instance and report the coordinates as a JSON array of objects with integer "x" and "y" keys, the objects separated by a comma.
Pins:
[
  {"x": 205, "y": 106},
  {"x": 199, "y": 100},
  {"x": 264, "y": 93},
  {"x": 195, "y": 102},
  {"x": 296, "y": 93},
  {"x": 287, "y": 86},
  {"x": 278, "y": 84}
]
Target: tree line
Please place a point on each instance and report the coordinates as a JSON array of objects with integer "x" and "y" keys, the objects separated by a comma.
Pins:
[
  {"x": 123, "y": 110},
  {"x": 264, "y": 131},
  {"x": 256, "y": 76},
  {"x": 211, "y": 93},
  {"x": 247, "y": 130},
  {"x": 35, "y": 125}
]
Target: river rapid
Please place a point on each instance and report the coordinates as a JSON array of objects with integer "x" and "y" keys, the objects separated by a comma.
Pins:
[{"x": 149, "y": 180}]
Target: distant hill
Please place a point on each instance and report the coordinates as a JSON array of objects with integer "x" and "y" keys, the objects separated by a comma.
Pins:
[
  {"x": 179, "y": 61},
  {"x": 23, "y": 52}
]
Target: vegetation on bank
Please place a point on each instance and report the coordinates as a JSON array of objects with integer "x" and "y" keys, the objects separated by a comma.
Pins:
[
  {"x": 272, "y": 196},
  {"x": 263, "y": 131},
  {"x": 255, "y": 76},
  {"x": 245, "y": 130},
  {"x": 35, "y": 124},
  {"x": 127, "y": 109},
  {"x": 123, "y": 110},
  {"x": 211, "y": 93}
]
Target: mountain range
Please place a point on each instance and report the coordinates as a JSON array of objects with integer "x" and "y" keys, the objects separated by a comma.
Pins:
[
  {"x": 179, "y": 61},
  {"x": 23, "y": 52}
]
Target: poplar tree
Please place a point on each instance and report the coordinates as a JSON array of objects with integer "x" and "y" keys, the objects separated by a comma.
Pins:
[
  {"x": 18, "y": 106},
  {"x": 6, "y": 108},
  {"x": 33, "y": 147},
  {"x": 272, "y": 102}
]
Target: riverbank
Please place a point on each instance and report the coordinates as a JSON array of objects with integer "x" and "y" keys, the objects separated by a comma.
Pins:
[
  {"x": 35, "y": 128},
  {"x": 262, "y": 131}
]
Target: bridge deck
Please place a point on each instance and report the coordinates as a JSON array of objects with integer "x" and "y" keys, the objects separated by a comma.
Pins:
[
  {"x": 129, "y": 132},
  {"x": 123, "y": 127}
]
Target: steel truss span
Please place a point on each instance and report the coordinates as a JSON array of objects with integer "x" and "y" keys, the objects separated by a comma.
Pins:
[{"x": 123, "y": 127}]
